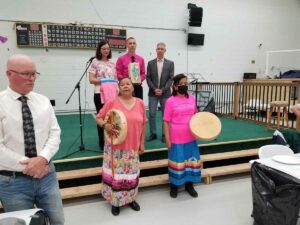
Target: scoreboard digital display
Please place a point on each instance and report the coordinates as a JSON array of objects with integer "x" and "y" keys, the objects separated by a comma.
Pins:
[{"x": 42, "y": 35}]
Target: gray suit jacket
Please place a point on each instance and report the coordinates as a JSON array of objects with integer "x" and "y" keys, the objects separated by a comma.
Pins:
[{"x": 166, "y": 78}]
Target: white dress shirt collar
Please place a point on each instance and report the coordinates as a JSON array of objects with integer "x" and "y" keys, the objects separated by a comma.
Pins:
[{"x": 16, "y": 95}]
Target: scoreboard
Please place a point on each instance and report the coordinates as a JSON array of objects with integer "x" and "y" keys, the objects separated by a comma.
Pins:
[{"x": 41, "y": 35}]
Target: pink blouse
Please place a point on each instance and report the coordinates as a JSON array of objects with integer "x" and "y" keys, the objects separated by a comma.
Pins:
[
  {"x": 136, "y": 120},
  {"x": 102, "y": 69},
  {"x": 179, "y": 111}
]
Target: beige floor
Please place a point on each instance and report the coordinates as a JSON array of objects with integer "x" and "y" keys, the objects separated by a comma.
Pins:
[{"x": 227, "y": 201}]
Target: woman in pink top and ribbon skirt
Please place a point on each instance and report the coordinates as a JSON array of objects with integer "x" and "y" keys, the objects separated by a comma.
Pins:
[
  {"x": 183, "y": 154},
  {"x": 120, "y": 169}
]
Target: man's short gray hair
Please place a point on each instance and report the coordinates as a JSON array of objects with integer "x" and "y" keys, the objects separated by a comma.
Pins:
[{"x": 161, "y": 43}]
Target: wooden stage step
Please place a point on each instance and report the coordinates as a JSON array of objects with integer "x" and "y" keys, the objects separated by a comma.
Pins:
[
  {"x": 95, "y": 189},
  {"x": 81, "y": 173},
  {"x": 97, "y": 171},
  {"x": 80, "y": 191},
  {"x": 207, "y": 174},
  {"x": 227, "y": 170},
  {"x": 229, "y": 155}
]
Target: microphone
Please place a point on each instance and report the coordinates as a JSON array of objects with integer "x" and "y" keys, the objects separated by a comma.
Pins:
[{"x": 91, "y": 59}]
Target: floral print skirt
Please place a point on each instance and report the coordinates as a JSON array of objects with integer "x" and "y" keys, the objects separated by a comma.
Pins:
[{"x": 120, "y": 175}]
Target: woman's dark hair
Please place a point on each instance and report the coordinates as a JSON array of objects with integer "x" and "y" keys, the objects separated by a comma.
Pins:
[
  {"x": 176, "y": 81},
  {"x": 98, "y": 51}
]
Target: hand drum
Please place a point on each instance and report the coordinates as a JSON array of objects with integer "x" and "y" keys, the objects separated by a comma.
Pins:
[
  {"x": 118, "y": 120},
  {"x": 205, "y": 126}
]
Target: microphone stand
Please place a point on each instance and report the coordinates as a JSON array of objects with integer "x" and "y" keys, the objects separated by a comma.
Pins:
[{"x": 77, "y": 86}]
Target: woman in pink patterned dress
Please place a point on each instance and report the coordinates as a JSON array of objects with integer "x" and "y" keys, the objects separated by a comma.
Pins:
[
  {"x": 101, "y": 68},
  {"x": 120, "y": 184}
]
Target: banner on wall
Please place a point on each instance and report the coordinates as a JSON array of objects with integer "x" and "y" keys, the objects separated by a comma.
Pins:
[{"x": 41, "y": 35}]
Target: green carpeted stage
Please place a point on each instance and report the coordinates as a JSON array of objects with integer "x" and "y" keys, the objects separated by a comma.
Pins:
[{"x": 235, "y": 135}]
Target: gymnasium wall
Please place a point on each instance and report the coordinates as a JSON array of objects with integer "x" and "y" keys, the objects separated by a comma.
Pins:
[{"x": 237, "y": 35}]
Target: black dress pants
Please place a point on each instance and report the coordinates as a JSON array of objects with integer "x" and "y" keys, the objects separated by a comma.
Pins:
[
  {"x": 138, "y": 91},
  {"x": 99, "y": 106}
]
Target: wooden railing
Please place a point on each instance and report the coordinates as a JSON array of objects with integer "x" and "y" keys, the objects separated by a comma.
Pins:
[{"x": 250, "y": 99}]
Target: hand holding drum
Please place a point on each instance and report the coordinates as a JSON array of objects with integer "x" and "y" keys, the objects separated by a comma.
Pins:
[{"x": 205, "y": 126}]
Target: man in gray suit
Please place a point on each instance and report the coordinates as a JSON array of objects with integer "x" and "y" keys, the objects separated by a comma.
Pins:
[{"x": 160, "y": 72}]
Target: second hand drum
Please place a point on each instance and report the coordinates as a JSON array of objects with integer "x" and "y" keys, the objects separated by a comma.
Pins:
[{"x": 205, "y": 126}]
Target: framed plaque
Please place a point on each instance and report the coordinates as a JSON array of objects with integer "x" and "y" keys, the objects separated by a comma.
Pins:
[{"x": 134, "y": 72}]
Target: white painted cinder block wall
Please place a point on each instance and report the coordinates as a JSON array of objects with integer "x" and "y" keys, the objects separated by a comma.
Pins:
[{"x": 233, "y": 30}]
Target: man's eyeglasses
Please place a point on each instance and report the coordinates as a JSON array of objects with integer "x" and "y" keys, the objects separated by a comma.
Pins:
[{"x": 27, "y": 75}]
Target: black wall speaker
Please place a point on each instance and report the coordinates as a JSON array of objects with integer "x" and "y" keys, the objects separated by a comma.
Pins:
[
  {"x": 195, "y": 39},
  {"x": 196, "y": 14},
  {"x": 249, "y": 75}
]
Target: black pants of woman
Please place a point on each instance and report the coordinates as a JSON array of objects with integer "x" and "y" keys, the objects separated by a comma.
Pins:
[
  {"x": 99, "y": 106},
  {"x": 138, "y": 91}
]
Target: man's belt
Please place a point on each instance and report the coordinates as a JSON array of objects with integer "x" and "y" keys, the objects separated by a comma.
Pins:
[{"x": 11, "y": 173}]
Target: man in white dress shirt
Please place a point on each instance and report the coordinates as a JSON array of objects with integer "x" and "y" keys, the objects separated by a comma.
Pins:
[{"x": 27, "y": 175}]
